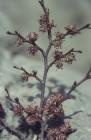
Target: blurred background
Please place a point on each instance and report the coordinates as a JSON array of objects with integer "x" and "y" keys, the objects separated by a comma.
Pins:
[{"x": 23, "y": 16}]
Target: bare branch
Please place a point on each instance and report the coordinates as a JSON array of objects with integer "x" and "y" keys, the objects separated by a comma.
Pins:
[
  {"x": 76, "y": 84},
  {"x": 11, "y": 130},
  {"x": 29, "y": 74},
  {"x": 43, "y": 7},
  {"x": 51, "y": 64},
  {"x": 73, "y": 50}
]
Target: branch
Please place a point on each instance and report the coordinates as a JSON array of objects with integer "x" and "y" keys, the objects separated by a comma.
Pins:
[
  {"x": 51, "y": 64},
  {"x": 33, "y": 74},
  {"x": 76, "y": 84},
  {"x": 73, "y": 51},
  {"x": 11, "y": 130},
  {"x": 43, "y": 6},
  {"x": 70, "y": 51},
  {"x": 87, "y": 26},
  {"x": 27, "y": 41}
]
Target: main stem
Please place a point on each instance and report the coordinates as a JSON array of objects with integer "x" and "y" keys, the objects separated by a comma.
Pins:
[{"x": 42, "y": 95}]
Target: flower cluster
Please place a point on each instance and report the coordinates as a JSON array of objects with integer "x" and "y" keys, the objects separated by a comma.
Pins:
[
  {"x": 53, "y": 107},
  {"x": 33, "y": 36},
  {"x": 32, "y": 50},
  {"x": 58, "y": 40},
  {"x": 33, "y": 115},
  {"x": 71, "y": 29},
  {"x": 61, "y": 58},
  {"x": 18, "y": 110},
  {"x": 60, "y": 132},
  {"x": 19, "y": 41},
  {"x": 45, "y": 24},
  {"x": 24, "y": 76}
]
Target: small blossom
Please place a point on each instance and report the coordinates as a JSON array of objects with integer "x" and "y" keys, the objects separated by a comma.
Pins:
[
  {"x": 57, "y": 55},
  {"x": 45, "y": 25},
  {"x": 31, "y": 110},
  {"x": 58, "y": 40},
  {"x": 60, "y": 132},
  {"x": 32, "y": 50},
  {"x": 69, "y": 58},
  {"x": 19, "y": 41},
  {"x": 59, "y": 64},
  {"x": 24, "y": 76},
  {"x": 18, "y": 110},
  {"x": 71, "y": 29},
  {"x": 32, "y": 36},
  {"x": 32, "y": 119}
]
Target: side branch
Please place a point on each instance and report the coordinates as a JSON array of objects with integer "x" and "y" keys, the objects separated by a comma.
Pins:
[
  {"x": 63, "y": 56},
  {"x": 74, "y": 31},
  {"x": 27, "y": 41},
  {"x": 51, "y": 64},
  {"x": 33, "y": 74},
  {"x": 76, "y": 84},
  {"x": 11, "y": 130}
]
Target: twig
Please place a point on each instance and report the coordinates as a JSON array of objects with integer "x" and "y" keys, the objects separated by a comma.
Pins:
[
  {"x": 87, "y": 26},
  {"x": 29, "y": 74},
  {"x": 11, "y": 130},
  {"x": 16, "y": 33},
  {"x": 43, "y": 7},
  {"x": 51, "y": 64},
  {"x": 73, "y": 50},
  {"x": 76, "y": 84}
]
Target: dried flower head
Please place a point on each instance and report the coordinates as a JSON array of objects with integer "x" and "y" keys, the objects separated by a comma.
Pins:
[
  {"x": 18, "y": 110},
  {"x": 32, "y": 50},
  {"x": 33, "y": 114},
  {"x": 53, "y": 107},
  {"x": 71, "y": 29},
  {"x": 32, "y": 36},
  {"x": 57, "y": 55},
  {"x": 60, "y": 132},
  {"x": 19, "y": 41},
  {"x": 45, "y": 24},
  {"x": 58, "y": 40},
  {"x": 61, "y": 58},
  {"x": 24, "y": 76},
  {"x": 31, "y": 110},
  {"x": 69, "y": 58}
]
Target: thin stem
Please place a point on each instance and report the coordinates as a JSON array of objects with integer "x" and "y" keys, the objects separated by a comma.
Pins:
[
  {"x": 29, "y": 74},
  {"x": 11, "y": 130},
  {"x": 76, "y": 84},
  {"x": 46, "y": 12},
  {"x": 87, "y": 26},
  {"x": 42, "y": 96},
  {"x": 51, "y": 64}
]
